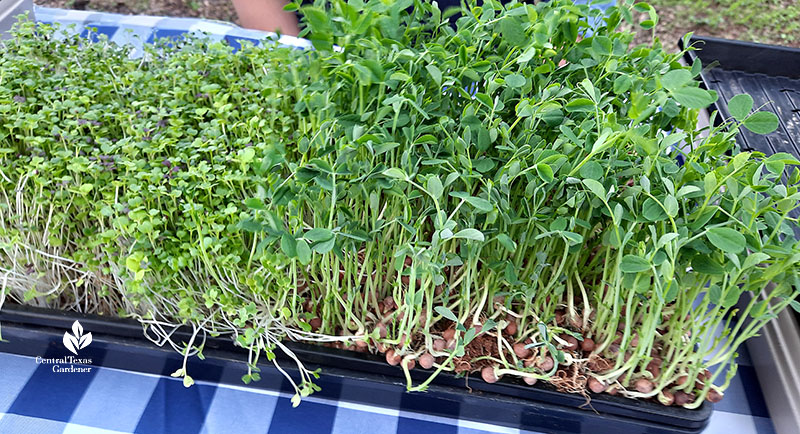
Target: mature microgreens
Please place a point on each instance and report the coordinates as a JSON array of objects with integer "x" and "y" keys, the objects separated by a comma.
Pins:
[{"x": 402, "y": 178}]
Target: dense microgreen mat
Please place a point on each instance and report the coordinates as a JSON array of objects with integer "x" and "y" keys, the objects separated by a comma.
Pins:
[{"x": 521, "y": 194}]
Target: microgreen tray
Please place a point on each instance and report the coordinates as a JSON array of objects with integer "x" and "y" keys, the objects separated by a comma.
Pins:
[{"x": 350, "y": 376}]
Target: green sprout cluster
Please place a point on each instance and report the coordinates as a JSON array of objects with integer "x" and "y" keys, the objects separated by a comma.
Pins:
[{"x": 522, "y": 193}]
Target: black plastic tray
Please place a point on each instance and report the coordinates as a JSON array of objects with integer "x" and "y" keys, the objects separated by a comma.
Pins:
[
  {"x": 349, "y": 376},
  {"x": 768, "y": 73}
]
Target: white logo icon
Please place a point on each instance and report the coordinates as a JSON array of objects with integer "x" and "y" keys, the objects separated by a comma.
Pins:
[{"x": 77, "y": 341}]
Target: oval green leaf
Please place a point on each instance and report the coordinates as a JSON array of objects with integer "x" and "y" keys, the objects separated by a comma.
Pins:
[
  {"x": 303, "y": 252},
  {"x": 545, "y": 172},
  {"x": 515, "y": 80},
  {"x": 740, "y": 106},
  {"x": 634, "y": 264},
  {"x": 469, "y": 234},
  {"x": 726, "y": 239},
  {"x": 693, "y": 97},
  {"x": 762, "y": 122},
  {"x": 580, "y": 105}
]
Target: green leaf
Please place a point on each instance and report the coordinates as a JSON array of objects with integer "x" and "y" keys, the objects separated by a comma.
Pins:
[
  {"x": 526, "y": 56},
  {"x": 250, "y": 225},
  {"x": 303, "y": 252},
  {"x": 622, "y": 84},
  {"x": 740, "y": 106},
  {"x": 559, "y": 224},
  {"x": 515, "y": 80},
  {"x": 246, "y": 155},
  {"x": 731, "y": 297},
  {"x": 318, "y": 19},
  {"x": 469, "y": 234},
  {"x": 762, "y": 122},
  {"x": 710, "y": 184},
  {"x": 700, "y": 218},
  {"x": 426, "y": 139},
  {"x": 672, "y": 292},
  {"x": 676, "y": 79},
  {"x": 602, "y": 142},
  {"x": 318, "y": 234},
  {"x": 580, "y": 105},
  {"x": 784, "y": 158},
  {"x": 396, "y": 173},
  {"x": 596, "y": 187},
  {"x": 469, "y": 336},
  {"x": 435, "y": 73},
  {"x": 652, "y": 211},
  {"x": 512, "y": 31},
  {"x": 666, "y": 238},
  {"x": 754, "y": 259},
  {"x": 480, "y": 204},
  {"x": 399, "y": 76},
  {"x": 671, "y": 205},
  {"x": 288, "y": 245},
  {"x": 544, "y": 333},
  {"x": 601, "y": 45},
  {"x": 704, "y": 264},
  {"x": 434, "y": 187},
  {"x": 634, "y": 264},
  {"x": 445, "y": 313},
  {"x": 323, "y": 247},
  {"x": 647, "y": 24},
  {"x": 255, "y": 203},
  {"x": 775, "y": 167},
  {"x": 592, "y": 170},
  {"x": 726, "y": 239},
  {"x": 134, "y": 261},
  {"x": 715, "y": 294},
  {"x": 693, "y": 97},
  {"x": 572, "y": 237},
  {"x": 507, "y": 242},
  {"x": 687, "y": 189},
  {"x": 545, "y": 172}
]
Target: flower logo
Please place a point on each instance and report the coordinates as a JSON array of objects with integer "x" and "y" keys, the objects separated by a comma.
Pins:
[{"x": 77, "y": 340}]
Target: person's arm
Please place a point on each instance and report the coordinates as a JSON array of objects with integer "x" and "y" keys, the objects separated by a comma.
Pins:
[{"x": 266, "y": 15}]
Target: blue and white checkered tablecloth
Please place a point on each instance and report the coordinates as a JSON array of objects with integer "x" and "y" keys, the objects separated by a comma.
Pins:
[
  {"x": 137, "y": 30},
  {"x": 33, "y": 399}
]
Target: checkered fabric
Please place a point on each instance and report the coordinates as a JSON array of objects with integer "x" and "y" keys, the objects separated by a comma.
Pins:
[
  {"x": 33, "y": 399},
  {"x": 137, "y": 30},
  {"x": 36, "y": 400}
]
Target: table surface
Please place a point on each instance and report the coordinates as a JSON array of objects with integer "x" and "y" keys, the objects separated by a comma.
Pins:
[{"x": 33, "y": 399}]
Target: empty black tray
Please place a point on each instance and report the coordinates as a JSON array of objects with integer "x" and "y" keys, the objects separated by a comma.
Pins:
[{"x": 769, "y": 73}]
